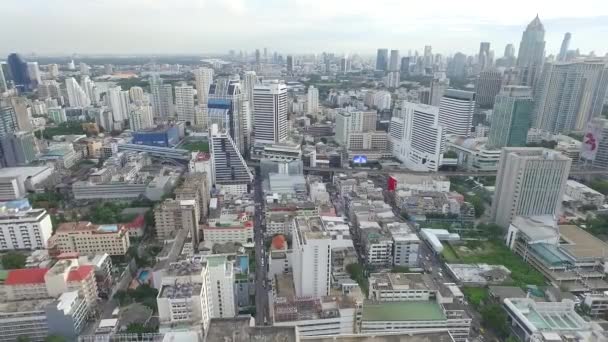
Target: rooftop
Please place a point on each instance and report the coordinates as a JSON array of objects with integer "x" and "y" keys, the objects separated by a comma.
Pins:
[
  {"x": 83, "y": 226},
  {"x": 24, "y": 306},
  {"x": 403, "y": 311},
  {"x": 241, "y": 330},
  {"x": 581, "y": 244},
  {"x": 26, "y": 276},
  {"x": 400, "y": 281},
  {"x": 547, "y": 316},
  {"x": 180, "y": 290},
  {"x": 384, "y": 337}
]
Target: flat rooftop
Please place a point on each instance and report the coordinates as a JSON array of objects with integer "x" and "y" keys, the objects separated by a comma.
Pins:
[
  {"x": 182, "y": 290},
  {"x": 403, "y": 311},
  {"x": 384, "y": 337},
  {"x": 581, "y": 244},
  {"x": 400, "y": 281},
  {"x": 23, "y": 171},
  {"x": 548, "y": 315},
  {"x": 241, "y": 330},
  {"x": 24, "y": 306}
]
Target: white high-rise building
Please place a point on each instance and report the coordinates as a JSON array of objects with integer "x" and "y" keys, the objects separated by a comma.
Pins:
[
  {"x": 49, "y": 89},
  {"x": 162, "y": 97},
  {"x": 270, "y": 112},
  {"x": 201, "y": 115},
  {"x": 25, "y": 228},
  {"x": 456, "y": 110},
  {"x": 530, "y": 182},
  {"x": 184, "y": 103},
  {"x": 136, "y": 94},
  {"x": 140, "y": 117},
  {"x": 90, "y": 89},
  {"x": 531, "y": 54},
  {"x": 34, "y": 72},
  {"x": 311, "y": 259},
  {"x": 221, "y": 281},
  {"x": 53, "y": 71},
  {"x": 203, "y": 78},
  {"x": 382, "y": 100},
  {"x": 76, "y": 95},
  {"x": 84, "y": 69},
  {"x": 350, "y": 120},
  {"x": 312, "y": 105},
  {"x": 417, "y": 137},
  {"x": 250, "y": 79},
  {"x": 119, "y": 102}
]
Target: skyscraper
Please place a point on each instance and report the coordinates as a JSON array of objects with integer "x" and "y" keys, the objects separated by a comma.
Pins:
[
  {"x": 487, "y": 86},
  {"x": 563, "y": 51},
  {"x": 49, "y": 89},
  {"x": 509, "y": 51},
  {"x": 3, "y": 84},
  {"x": 257, "y": 56},
  {"x": 484, "y": 56},
  {"x": 405, "y": 65},
  {"x": 594, "y": 150},
  {"x": 531, "y": 54},
  {"x": 184, "y": 103},
  {"x": 203, "y": 78},
  {"x": 8, "y": 119},
  {"x": 227, "y": 108},
  {"x": 76, "y": 95},
  {"x": 33, "y": 72},
  {"x": 162, "y": 97},
  {"x": 250, "y": 79},
  {"x": 456, "y": 67},
  {"x": 140, "y": 117},
  {"x": 439, "y": 85},
  {"x": 349, "y": 120},
  {"x": 394, "y": 61},
  {"x": 511, "y": 117},
  {"x": 18, "y": 72},
  {"x": 456, "y": 110},
  {"x": 270, "y": 112},
  {"x": 289, "y": 64},
  {"x": 530, "y": 182},
  {"x": 427, "y": 57},
  {"x": 18, "y": 148},
  {"x": 312, "y": 100},
  {"x": 382, "y": 59},
  {"x": 569, "y": 94},
  {"x": 416, "y": 136},
  {"x": 89, "y": 89},
  {"x": 136, "y": 94},
  {"x": 230, "y": 171},
  {"x": 119, "y": 102}
]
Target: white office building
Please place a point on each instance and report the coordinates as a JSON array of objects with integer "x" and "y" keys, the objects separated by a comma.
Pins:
[
  {"x": 311, "y": 258},
  {"x": 221, "y": 283},
  {"x": 349, "y": 120},
  {"x": 22, "y": 227},
  {"x": 184, "y": 103},
  {"x": 76, "y": 95},
  {"x": 270, "y": 112},
  {"x": 312, "y": 97},
  {"x": 203, "y": 78},
  {"x": 530, "y": 182},
  {"x": 162, "y": 97},
  {"x": 456, "y": 110},
  {"x": 417, "y": 137}
]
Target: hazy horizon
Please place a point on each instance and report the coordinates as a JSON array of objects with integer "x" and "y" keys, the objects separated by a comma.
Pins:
[{"x": 198, "y": 27}]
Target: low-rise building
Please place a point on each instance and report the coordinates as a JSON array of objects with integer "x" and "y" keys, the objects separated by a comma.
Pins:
[
  {"x": 22, "y": 227},
  {"x": 87, "y": 238},
  {"x": 473, "y": 153},
  {"x": 578, "y": 194},
  {"x": 596, "y": 304},
  {"x": 400, "y": 287}
]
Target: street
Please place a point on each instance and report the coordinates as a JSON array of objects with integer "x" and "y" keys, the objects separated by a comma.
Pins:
[{"x": 262, "y": 285}]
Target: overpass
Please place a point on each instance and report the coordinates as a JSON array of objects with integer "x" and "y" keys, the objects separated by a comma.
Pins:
[
  {"x": 163, "y": 153},
  {"x": 573, "y": 172}
]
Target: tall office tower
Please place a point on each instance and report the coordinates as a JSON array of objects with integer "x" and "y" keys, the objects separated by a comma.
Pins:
[
  {"x": 563, "y": 51},
  {"x": 594, "y": 150},
  {"x": 428, "y": 56},
  {"x": 3, "y": 84},
  {"x": 250, "y": 79},
  {"x": 108, "y": 69},
  {"x": 18, "y": 148},
  {"x": 416, "y": 136},
  {"x": 487, "y": 86},
  {"x": 173, "y": 215},
  {"x": 439, "y": 85},
  {"x": 509, "y": 51},
  {"x": 140, "y": 117},
  {"x": 23, "y": 113},
  {"x": 270, "y": 112},
  {"x": 531, "y": 54},
  {"x": 70, "y": 65},
  {"x": 184, "y": 103},
  {"x": 33, "y": 72},
  {"x": 226, "y": 109},
  {"x": 456, "y": 110},
  {"x": 162, "y": 97},
  {"x": 569, "y": 94},
  {"x": 405, "y": 65},
  {"x": 393, "y": 79},
  {"x": 136, "y": 94},
  {"x": 104, "y": 119},
  {"x": 457, "y": 66},
  {"x": 76, "y": 95},
  {"x": 90, "y": 89},
  {"x": 484, "y": 56},
  {"x": 257, "y": 56},
  {"x": 265, "y": 55},
  {"x": 8, "y": 119},
  {"x": 382, "y": 59},
  {"x": 84, "y": 68},
  {"x": 511, "y": 117},
  {"x": 289, "y": 64},
  {"x": 201, "y": 117},
  {"x": 119, "y": 102},
  {"x": 230, "y": 171},
  {"x": 530, "y": 182},
  {"x": 349, "y": 120},
  {"x": 393, "y": 64},
  {"x": 203, "y": 78},
  {"x": 312, "y": 100},
  {"x": 311, "y": 259},
  {"x": 49, "y": 89},
  {"x": 18, "y": 72},
  {"x": 53, "y": 71}
]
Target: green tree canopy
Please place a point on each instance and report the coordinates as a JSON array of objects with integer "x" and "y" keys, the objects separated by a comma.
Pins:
[{"x": 13, "y": 260}]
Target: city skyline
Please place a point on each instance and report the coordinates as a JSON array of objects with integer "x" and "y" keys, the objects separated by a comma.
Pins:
[{"x": 198, "y": 27}]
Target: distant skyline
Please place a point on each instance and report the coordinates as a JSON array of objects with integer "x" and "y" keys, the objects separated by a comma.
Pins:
[{"x": 63, "y": 27}]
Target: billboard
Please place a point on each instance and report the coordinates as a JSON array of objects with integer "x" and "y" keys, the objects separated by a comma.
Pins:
[
  {"x": 591, "y": 140},
  {"x": 360, "y": 159}
]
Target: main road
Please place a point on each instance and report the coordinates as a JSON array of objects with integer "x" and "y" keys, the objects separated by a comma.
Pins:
[{"x": 262, "y": 285}]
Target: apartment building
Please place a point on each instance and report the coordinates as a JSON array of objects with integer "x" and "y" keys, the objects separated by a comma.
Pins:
[
  {"x": 87, "y": 238},
  {"x": 22, "y": 227}
]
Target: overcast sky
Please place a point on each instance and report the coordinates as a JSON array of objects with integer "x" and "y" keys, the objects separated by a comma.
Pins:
[{"x": 292, "y": 26}]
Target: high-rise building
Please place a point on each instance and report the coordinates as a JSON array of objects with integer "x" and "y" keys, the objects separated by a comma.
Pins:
[
  {"x": 84, "y": 69},
  {"x": 221, "y": 279},
  {"x": 18, "y": 149},
  {"x": 312, "y": 255},
  {"x": 456, "y": 110},
  {"x": 487, "y": 86},
  {"x": 136, "y": 94},
  {"x": 484, "y": 56},
  {"x": 416, "y": 136},
  {"x": 162, "y": 97},
  {"x": 382, "y": 59},
  {"x": 18, "y": 72},
  {"x": 174, "y": 215},
  {"x": 228, "y": 108},
  {"x": 594, "y": 149},
  {"x": 405, "y": 65},
  {"x": 53, "y": 71},
  {"x": 563, "y": 50},
  {"x": 89, "y": 89},
  {"x": 270, "y": 112},
  {"x": 49, "y": 89},
  {"x": 250, "y": 79},
  {"x": 140, "y": 117},
  {"x": 230, "y": 171},
  {"x": 393, "y": 79},
  {"x": 456, "y": 67},
  {"x": 427, "y": 61},
  {"x": 203, "y": 78},
  {"x": 289, "y": 64},
  {"x": 119, "y": 102},
  {"x": 3, "y": 84},
  {"x": 76, "y": 95},
  {"x": 184, "y": 103},
  {"x": 257, "y": 56},
  {"x": 22, "y": 112},
  {"x": 57, "y": 114},
  {"x": 312, "y": 100},
  {"x": 344, "y": 64},
  {"x": 530, "y": 182},
  {"x": 569, "y": 94},
  {"x": 33, "y": 72},
  {"x": 350, "y": 120},
  {"x": 8, "y": 119},
  {"x": 439, "y": 85},
  {"x": 511, "y": 117},
  {"x": 509, "y": 51},
  {"x": 393, "y": 64},
  {"x": 531, "y": 54}
]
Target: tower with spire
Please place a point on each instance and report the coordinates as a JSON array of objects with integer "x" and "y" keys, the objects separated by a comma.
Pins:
[{"x": 531, "y": 53}]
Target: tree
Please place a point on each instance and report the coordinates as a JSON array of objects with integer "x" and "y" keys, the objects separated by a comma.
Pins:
[
  {"x": 495, "y": 318},
  {"x": 599, "y": 185},
  {"x": 400, "y": 269},
  {"x": 13, "y": 260},
  {"x": 450, "y": 154},
  {"x": 137, "y": 328},
  {"x": 23, "y": 339},
  {"x": 357, "y": 273},
  {"x": 55, "y": 338}
]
